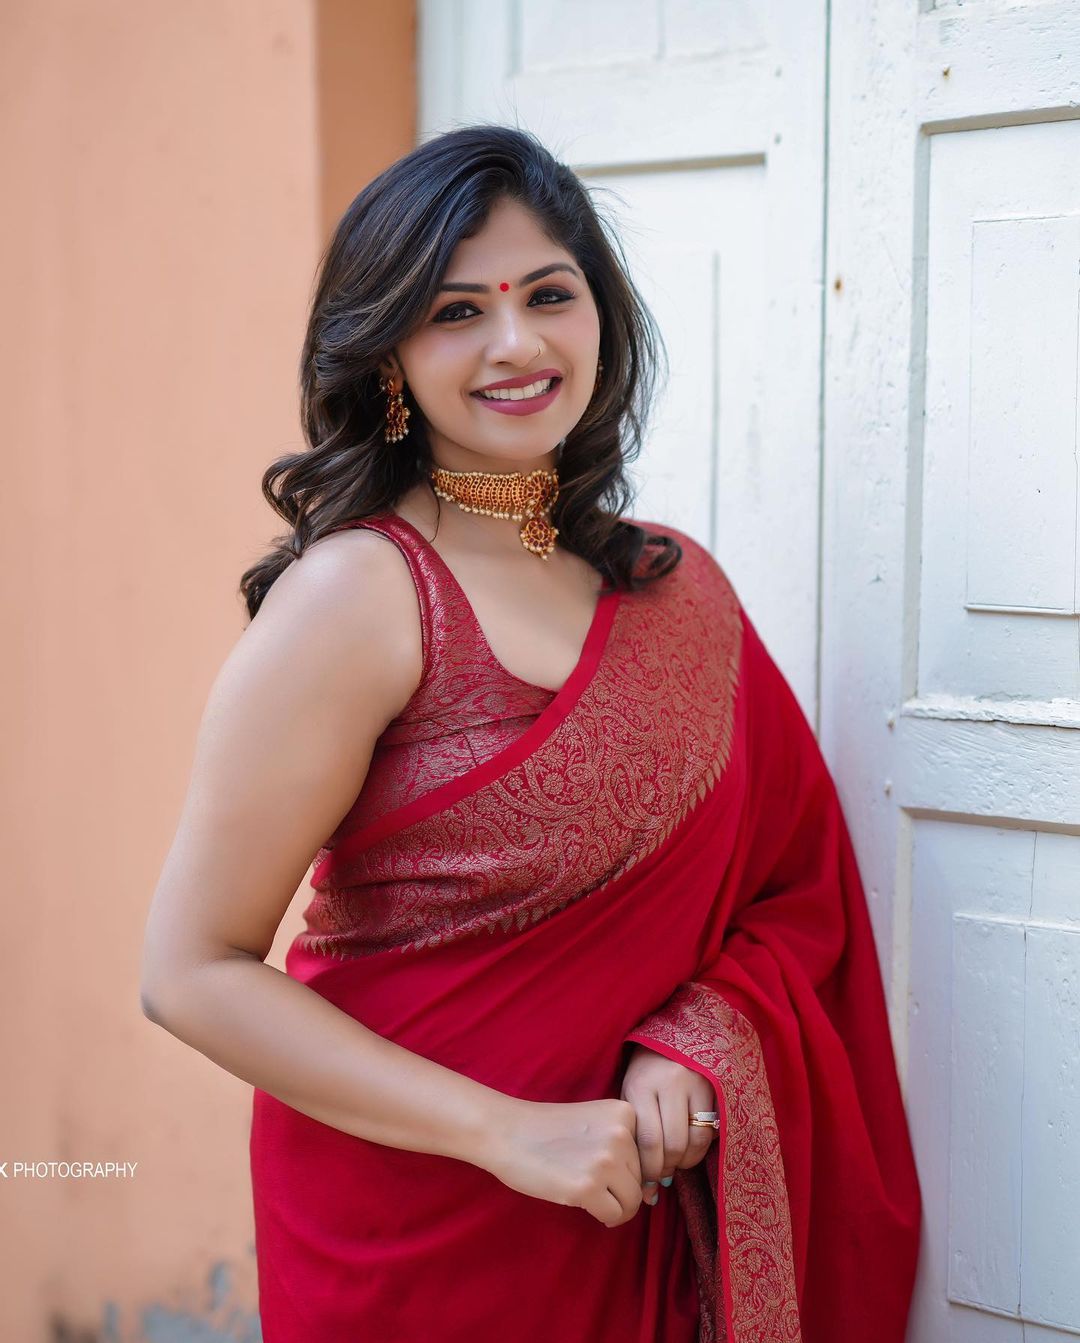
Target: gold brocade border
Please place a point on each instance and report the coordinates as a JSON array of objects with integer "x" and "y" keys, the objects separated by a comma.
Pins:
[
  {"x": 698, "y": 795},
  {"x": 648, "y": 740},
  {"x": 753, "y": 1217}
]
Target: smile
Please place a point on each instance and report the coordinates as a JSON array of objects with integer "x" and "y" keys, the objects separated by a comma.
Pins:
[{"x": 521, "y": 400}]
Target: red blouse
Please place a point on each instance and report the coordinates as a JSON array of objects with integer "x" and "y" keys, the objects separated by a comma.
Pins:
[{"x": 467, "y": 706}]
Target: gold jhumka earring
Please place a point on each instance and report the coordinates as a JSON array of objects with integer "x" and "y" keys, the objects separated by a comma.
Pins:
[{"x": 397, "y": 412}]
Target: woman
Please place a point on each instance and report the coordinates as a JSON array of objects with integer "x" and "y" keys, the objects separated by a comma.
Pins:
[{"x": 586, "y": 915}]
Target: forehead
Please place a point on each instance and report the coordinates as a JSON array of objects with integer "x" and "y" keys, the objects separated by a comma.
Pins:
[{"x": 511, "y": 235}]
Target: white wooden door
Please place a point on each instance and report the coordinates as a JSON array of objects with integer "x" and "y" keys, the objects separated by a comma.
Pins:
[
  {"x": 859, "y": 226},
  {"x": 701, "y": 127},
  {"x": 951, "y": 671}
]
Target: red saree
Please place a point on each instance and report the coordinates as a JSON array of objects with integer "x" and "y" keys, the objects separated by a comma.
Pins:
[{"x": 529, "y": 883}]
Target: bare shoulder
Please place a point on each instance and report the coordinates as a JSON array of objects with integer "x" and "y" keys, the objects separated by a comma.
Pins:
[
  {"x": 349, "y": 607},
  {"x": 283, "y": 749}
]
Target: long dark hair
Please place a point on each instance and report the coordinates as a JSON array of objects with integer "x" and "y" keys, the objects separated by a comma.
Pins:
[{"x": 377, "y": 278}]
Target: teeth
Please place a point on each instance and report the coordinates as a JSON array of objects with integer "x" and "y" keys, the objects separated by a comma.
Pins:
[{"x": 519, "y": 393}]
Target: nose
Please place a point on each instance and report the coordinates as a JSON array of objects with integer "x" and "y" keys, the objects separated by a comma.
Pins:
[{"x": 512, "y": 339}]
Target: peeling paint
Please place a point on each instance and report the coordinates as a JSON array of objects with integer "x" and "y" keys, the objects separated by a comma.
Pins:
[{"x": 212, "y": 1317}]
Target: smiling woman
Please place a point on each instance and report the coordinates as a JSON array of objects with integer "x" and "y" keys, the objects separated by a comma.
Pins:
[
  {"x": 463, "y": 362},
  {"x": 585, "y": 916}
]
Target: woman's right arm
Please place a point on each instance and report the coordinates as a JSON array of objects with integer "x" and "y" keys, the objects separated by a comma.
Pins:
[{"x": 282, "y": 751}]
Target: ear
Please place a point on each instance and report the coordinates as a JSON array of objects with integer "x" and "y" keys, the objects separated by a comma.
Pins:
[{"x": 390, "y": 368}]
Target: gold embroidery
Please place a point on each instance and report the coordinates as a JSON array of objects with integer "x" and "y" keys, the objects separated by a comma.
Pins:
[
  {"x": 697, "y": 1021},
  {"x": 646, "y": 741}
]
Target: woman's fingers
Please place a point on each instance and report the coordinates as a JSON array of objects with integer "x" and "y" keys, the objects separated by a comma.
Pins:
[
  {"x": 685, "y": 1144},
  {"x": 664, "y": 1094},
  {"x": 650, "y": 1137},
  {"x": 699, "y": 1138},
  {"x": 675, "y": 1117}
]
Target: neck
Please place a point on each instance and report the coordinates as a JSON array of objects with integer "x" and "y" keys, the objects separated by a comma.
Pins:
[
  {"x": 497, "y": 466},
  {"x": 507, "y": 512}
]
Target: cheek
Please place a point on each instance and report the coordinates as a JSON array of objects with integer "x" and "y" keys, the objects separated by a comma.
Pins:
[
  {"x": 582, "y": 341},
  {"x": 439, "y": 369},
  {"x": 582, "y": 320},
  {"x": 583, "y": 334}
]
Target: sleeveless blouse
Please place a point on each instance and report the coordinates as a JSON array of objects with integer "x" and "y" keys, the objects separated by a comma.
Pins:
[{"x": 465, "y": 710}]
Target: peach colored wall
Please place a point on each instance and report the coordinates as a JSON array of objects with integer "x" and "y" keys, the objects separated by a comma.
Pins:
[{"x": 170, "y": 172}]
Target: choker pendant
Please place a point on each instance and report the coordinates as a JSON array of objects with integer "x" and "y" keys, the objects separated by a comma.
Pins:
[{"x": 521, "y": 496}]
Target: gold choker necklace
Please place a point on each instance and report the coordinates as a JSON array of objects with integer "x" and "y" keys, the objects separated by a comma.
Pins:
[{"x": 506, "y": 494}]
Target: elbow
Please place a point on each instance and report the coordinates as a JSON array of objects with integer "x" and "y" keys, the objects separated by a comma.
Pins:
[
  {"x": 167, "y": 991},
  {"x": 149, "y": 1001},
  {"x": 150, "y": 988},
  {"x": 158, "y": 993},
  {"x": 164, "y": 982}
]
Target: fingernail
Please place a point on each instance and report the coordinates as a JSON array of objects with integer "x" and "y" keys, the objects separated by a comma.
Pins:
[
  {"x": 666, "y": 1181},
  {"x": 649, "y": 1182}
]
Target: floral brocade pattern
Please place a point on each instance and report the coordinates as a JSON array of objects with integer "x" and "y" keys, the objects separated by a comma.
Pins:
[
  {"x": 697, "y": 1022},
  {"x": 645, "y": 740}
]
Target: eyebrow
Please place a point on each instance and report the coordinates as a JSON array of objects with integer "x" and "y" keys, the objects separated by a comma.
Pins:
[{"x": 465, "y": 288}]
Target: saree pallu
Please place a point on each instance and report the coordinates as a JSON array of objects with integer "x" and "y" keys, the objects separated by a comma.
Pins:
[{"x": 659, "y": 858}]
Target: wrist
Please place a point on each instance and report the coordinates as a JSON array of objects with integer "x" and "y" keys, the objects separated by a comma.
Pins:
[{"x": 486, "y": 1127}]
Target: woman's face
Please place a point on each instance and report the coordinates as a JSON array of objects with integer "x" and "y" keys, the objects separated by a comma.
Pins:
[{"x": 496, "y": 318}]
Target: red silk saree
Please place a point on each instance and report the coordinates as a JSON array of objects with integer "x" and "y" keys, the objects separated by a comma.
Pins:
[{"x": 530, "y": 883}]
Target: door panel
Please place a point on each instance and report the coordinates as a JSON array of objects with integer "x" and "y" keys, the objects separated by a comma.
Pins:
[
  {"x": 859, "y": 228},
  {"x": 700, "y": 127},
  {"x": 950, "y": 672}
]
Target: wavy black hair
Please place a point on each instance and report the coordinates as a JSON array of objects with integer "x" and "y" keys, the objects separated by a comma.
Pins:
[{"x": 376, "y": 281}]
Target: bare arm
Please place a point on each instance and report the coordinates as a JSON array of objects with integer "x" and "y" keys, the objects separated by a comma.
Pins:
[{"x": 283, "y": 749}]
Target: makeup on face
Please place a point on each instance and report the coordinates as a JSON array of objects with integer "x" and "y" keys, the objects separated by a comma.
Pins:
[
  {"x": 513, "y": 321},
  {"x": 471, "y": 287},
  {"x": 512, "y": 403},
  {"x": 526, "y": 394}
]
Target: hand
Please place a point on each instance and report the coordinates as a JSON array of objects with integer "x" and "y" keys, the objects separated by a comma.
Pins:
[
  {"x": 578, "y": 1153},
  {"x": 664, "y": 1094}
]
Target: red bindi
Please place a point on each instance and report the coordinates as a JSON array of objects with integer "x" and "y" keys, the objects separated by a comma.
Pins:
[{"x": 504, "y": 286}]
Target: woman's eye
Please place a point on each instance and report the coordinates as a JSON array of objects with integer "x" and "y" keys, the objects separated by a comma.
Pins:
[
  {"x": 544, "y": 298},
  {"x": 560, "y": 296},
  {"x": 450, "y": 314}
]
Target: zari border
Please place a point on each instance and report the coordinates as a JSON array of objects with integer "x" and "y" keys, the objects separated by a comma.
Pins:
[
  {"x": 458, "y": 789},
  {"x": 737, "y": 1209},
  {"x": 652, "y": 736}
]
